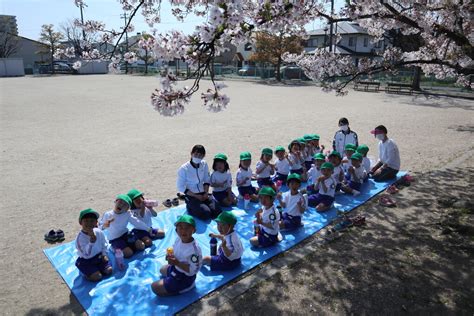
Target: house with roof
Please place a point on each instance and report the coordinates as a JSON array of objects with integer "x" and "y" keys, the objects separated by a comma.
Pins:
[{"x": 354, "y": 41}]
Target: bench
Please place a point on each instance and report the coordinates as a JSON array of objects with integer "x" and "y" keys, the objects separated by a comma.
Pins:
[
  {"x": 396, "y": 87},
  {"x": 367, "y": 86}
]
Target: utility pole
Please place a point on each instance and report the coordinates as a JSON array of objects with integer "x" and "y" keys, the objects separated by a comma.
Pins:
[
  {"x": 330, "y": 26},
  {"x": 124, "y": 17},
  {"x": 82, "y": 20}
]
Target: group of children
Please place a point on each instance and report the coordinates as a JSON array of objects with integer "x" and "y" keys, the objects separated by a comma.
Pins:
[{"x": 304, "y": 162}]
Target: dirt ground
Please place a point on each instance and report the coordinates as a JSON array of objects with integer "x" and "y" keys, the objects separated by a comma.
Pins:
[{"x": 73, "y": 142}]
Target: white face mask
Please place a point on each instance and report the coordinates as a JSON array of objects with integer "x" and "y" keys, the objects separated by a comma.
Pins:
[
  {"x": 344, "y": 128},
  {"x": 196, "y": 160},
  {"x": 380, "y": 136}
]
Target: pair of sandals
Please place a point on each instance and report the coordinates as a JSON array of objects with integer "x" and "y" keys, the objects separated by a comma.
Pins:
[
  {"x": 385, "y": 200},
  {"x": 171, "y": 202},
  {"x": 54, "y": 236}
]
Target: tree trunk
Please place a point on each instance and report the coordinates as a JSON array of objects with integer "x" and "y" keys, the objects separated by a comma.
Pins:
[
  {"x": 146, "y": 61},
  {"x": 52, "y": 60},
  {"x": 278, "y": 75},
  {"x": 416, "y": 79}
]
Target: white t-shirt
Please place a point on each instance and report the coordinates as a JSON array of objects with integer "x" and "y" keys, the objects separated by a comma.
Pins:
[
  {"x": 291, "y": 202},
  {"x": 282, "y": 166},
  {"x": 235, "y": 246},
  {"x": 310, "y": 151},
  {"x": 243, "y": 174},
  {"x": 119, "y": 225},
  {"x": 271, "y": 216},
  {"x": 219, "y": 178},
  {"x": 330, "y": 185},
  {"x": 336, "y": 172},
  {"x": 192, "y": 179},
  {"x": 346, "y": 165},
  {"x": 86, "y": 249},
  {"x": 266, "y": 172},
  {"x": 366, "y": 164},
  {"x": 389, "y": 154},
  {"x": 188, "y": 253},
  {"x": 314, "y": 174},
  {"x": 295, "y": 161},
  {"x": 360, "y": 174},
  {"x": 147, "y": 215}
]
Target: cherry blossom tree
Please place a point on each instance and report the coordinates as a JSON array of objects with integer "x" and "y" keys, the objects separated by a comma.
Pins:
[{"x": 445, "y": 28}]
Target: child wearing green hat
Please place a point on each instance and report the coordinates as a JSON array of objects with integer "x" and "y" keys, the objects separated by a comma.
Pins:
[
  {"x": 296, "y": 159},
  {"x": 244, "y": 177},
  {"x": 268, "y": 220},
  {"x": 356, "y": 174},
  {"x": 293, "y": 202},
  {"x": 363, "y": 150},
  {"x": 338, "y": 172},
  {"x": 91, "y": 246},
  {"x": 309, "y": 151},
  {"x": 230, "y": 249},
  {"x": 116, "y": 222},
  {"x": 264, "y": 169},
  {"x": 349, "y": 150},
  {"x": 315, "y": 172},
  {"x": 282, "y": 166},
  {"x": 184, "y": 261},
  {"x": 326, "y": 185},
  {"x": 221, "y": 181},
  {"x": 143, "y": 214}
]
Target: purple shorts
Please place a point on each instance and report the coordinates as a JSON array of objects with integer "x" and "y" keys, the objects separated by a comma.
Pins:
[
  {"x": 177, "y": 282},
  {"x": 264, "y": 181},
  {"x": 338, "y": 187},
  {"x": 316, "y": 199},
  {"x": 250, "y": 190},
  {"x": 298, "y": 171},
  {"x": 355, "y": 185},
  {"x": 126, "y": 240},
  {"x": 308, "y": 164},
  {"x": 140, "y": 233},
  {"x": 265, "y": 239},
  {"x": 220, "y": 196},
  {"x": 291, "y": 222},
  {"x": 221, "y": 263},
  {"x": 92, "y": 265},
  {"x": 310, "y": 189},
  {"x": 280, "y": 177}
]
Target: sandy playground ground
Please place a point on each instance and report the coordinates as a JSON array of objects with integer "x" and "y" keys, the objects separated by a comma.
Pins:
[{"x": 73, "y": 142}]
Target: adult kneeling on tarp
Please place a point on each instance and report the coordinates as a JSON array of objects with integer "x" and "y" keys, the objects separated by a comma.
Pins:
[
  {"x": 388, "y": 164},
  {"x": 193, "y": 181}
]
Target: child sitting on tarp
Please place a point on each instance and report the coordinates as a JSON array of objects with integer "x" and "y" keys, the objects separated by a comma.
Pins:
[
  {"x": 293, "y": 202},
  {"x": 315, "y": 172},
  {"x": 230, "y": 249},
  {"x": 356, "y": 175},
  {"x": 91, "y": 246},
  {"x": 144, "y": 213},
  {"x": 244, "y": 177},
  {"x": 338, "y": 172},
  {"x": 282, "y": 166},
  {"x": 349, "y": 150},
  {"x": 363, "y": 150},
  {"x": 116, "y": 221},
  {"x": 264, "y": 169},
  {"x": 268, "y": 220},
  {"x": 221, "y": 181},
  {"x": 326, "y": 184},
  {"x": 184, "y": 261}
]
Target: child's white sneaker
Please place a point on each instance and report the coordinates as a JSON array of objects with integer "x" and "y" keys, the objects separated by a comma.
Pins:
[{"x": 355, "y": 192}]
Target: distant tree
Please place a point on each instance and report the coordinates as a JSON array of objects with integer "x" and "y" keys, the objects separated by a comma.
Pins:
[
  {"x": 144, "y": 49},
  {"x": 270, "y": 49},
  {"x": 9, "y": 44},
  {"x": 52, "y": 40}
]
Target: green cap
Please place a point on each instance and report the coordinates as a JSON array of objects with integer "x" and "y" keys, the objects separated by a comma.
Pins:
[
  {"x": 295, "y": 141},
  {"x": 319, "y": 156},
  {"x": 356, "y": 156},
  {"x": 125, "y": 198},
  {"x": 188, "y": 219},
  {"x": 221, "y": 157},
  {"x": 293, "y": 176},
  {"x": 335, "y": 153},
  {"x": 315, "y": 136},
  {"x": 226, "y": 217},
  {"x": 267, "y": 151},
  {"x": 301, "y": 140},
  {"x": 308, "y": 137},
  {"x": 363, "y": 149},
  {"x": 279, "y": 148},
  {"x": 133, "y": 194},
  {"x": 350, "y": 147},
  {"x": 327, "y": 165},
  {"x": 267, "y": 191},
  {"x": 245, "y": 155},
  {"x": 88, "y": 211}
]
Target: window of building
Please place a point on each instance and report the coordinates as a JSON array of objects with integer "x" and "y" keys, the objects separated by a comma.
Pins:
[
  {"x": 366, "y": 41},
  {"x": 351, "y": 41},
  {"x": 378, "y": 44}
]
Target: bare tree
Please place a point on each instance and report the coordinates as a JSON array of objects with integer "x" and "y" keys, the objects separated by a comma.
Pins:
[
  {"x": 77, "y": 37},
  {"x": 9, "y": 44},
  {"x": 51, "y": 39}
]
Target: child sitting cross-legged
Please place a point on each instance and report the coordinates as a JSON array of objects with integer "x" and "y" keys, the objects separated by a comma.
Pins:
[
  {"x": 356, "y": 174},
  {"x": 326, "y": 184},
  {"x": 293, "y": 202},
  {"x": 268, "y": 220}
]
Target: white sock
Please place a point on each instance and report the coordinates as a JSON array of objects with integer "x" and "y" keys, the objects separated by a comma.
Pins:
[{"x": 355, "y": 192}]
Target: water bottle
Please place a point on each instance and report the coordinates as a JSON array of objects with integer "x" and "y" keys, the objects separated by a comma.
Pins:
[
  {"x": 151, "y": 203},
  {"x": 119, "y": 259},
  {"x": 246, "y": 201},
  {"x": 279, "y": 183},
  {"x": 213, "y": 244},
  {"x": 169, "y": 251},
  {"x": 256, "y": 228}
]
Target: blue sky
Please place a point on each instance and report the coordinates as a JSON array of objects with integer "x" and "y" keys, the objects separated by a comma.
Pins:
[{"x": 31, "y": 14}]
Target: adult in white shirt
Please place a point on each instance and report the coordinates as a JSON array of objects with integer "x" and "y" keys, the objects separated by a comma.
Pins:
[
  {"x": 388, "y": 163},
  {"x": 194, "y": 180}
]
